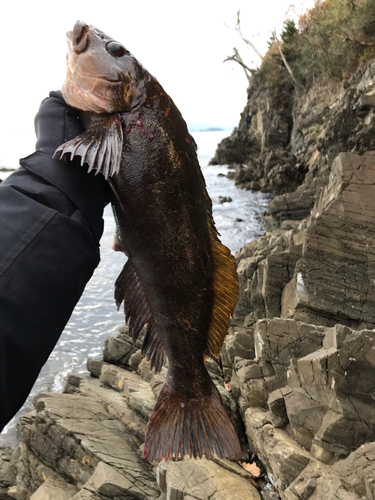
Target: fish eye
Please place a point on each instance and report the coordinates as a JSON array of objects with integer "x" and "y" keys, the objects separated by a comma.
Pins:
[{"x": 116, "y": 49}]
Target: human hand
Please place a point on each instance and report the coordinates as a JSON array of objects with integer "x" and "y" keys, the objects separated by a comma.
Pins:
[{"x": 56, "y": 123}]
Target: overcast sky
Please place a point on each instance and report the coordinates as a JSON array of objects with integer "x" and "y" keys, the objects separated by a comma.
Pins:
[{"x": 183, "y": 44}]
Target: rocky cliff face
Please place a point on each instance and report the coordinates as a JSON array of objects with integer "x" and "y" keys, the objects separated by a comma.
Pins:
[{"x": 294, "y": 137}]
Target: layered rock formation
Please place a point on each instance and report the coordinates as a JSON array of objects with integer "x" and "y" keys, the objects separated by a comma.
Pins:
[
  {"x": 87, "y": 443},
  {"x": 294, "y": 137},
  {"x": 308, "y": 396}
]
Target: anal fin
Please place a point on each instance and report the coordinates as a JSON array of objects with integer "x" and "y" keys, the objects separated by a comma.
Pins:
[
  {"x": 130, "y": 290},
  {"x": 100, "y": 146}
]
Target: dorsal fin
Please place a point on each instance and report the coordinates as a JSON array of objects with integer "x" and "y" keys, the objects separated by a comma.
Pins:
[{"x": 129, "y": 288}]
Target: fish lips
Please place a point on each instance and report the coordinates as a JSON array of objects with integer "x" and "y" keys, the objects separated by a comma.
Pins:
[{"x": 79, "y": 37}]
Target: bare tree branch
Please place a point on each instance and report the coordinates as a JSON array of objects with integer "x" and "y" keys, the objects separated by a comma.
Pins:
[
  {"x": 237, "y": 58},
  {"x": 358, "y": 42},
  {"x": 238, "y": 28},
  {"x": 289, "y": 69}
]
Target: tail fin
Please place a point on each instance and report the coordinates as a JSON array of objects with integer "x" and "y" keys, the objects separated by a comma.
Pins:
[{"x": 193, "y": 427}]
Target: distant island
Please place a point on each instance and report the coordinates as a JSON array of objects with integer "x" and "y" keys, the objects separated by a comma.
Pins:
[{"x": 211, "y": 129}]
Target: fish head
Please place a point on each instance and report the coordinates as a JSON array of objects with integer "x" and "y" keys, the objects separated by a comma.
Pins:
[{"x": 102, "y": 75}]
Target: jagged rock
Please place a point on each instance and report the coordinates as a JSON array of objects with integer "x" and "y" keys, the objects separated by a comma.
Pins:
[
  {"x": 240, "y": 344},
  {"x": 139, "y": 395},
  {"x": 357, "y": 472},
  {"x": 108, "y": 482},
  {"x": 94, "y": 366},
  {"x": 114, "y": 404},
  {"x": 333, "y": 281},
  {"x": 339, "y": 378},
  {"x": 277, "y": 341},
  {"x": 71, "y": 435},
  {"x": 7, "y": 469},
  {"x": 279, "y": 452},
  {"x": 118, "y": 350},
  {"x": 54, "y": 489},
  {"x": 349, "y": 479},
  {"x": 31, "y": 473},
  {"x": 276, "y": 404},
  {"x": 265, "y": 268},
  {"x": 304, "y": 415},
  {"x": 204, "y": 480},
  {"x": 235, "y": 149},
  {"x": 135, "y": 359}
]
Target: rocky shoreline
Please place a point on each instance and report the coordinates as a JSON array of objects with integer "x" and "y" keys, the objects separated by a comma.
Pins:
[
  {"x": 298, "y": 376},
  {"x": 298, "y": 379},
  {"x": 87, "y": 442}
]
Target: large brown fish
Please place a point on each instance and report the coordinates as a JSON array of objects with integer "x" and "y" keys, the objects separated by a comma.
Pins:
[{"x": 179, "y": 280}]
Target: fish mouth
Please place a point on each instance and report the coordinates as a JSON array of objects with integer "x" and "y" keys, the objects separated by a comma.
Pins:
[{"x": 79, "y": 37}]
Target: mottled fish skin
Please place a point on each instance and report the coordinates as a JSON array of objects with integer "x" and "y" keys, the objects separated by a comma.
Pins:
[{"x": 179, "y": 280}]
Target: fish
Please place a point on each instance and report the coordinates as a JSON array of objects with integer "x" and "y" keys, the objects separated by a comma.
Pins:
[{"x": 180, "y": 282}]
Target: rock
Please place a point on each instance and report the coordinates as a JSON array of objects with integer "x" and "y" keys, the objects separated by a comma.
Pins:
[
  {"x": 225, "y": 199},
  {"x": 279, "y": 452},
  {"x": 107, "y": 482},
  {"x": 304, "y": 415},
  {"x": 340, "y": 434},
  {"x": 357, "y": 472},
  {"x": 72, "y": 438},
  {"x": 241, "y": 344},
  {"x": 202, "y": 479},
  {"x": 94, "y": 366},
  {"x": 276, "y": 404},
  {"x": 118, "y": 350},
  {"x": 135, "y": 360},
  {"x": 277, "y": 341},
  {"x": 349, "y": 479},
  {"x": 296, "y": 206},
  {"x": 7, "y": 469},
  {"x": 234, "y": 149},
  {"x": 272, "y": 275},
  {"x": 144, "y": 370},
  {"x": 138, "y": 393},
  {"x": 115, "y": 404},
  {"x": 54, "y": 489},
  {"x": 368, "y": 99},
  {"x": 336, "y": 270}
]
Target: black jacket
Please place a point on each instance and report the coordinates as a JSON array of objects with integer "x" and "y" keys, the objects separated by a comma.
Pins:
[{"x": 50, "y": 227}]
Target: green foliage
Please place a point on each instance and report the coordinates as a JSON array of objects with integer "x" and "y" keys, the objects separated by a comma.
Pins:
[
  {"x": 289, "y": 31},
  {"x": 331, "y": 40},
  {"x": 367, "y": 55}
]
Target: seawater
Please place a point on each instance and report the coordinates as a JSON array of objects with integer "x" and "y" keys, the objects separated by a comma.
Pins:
[{"x": 95, "y": 316}]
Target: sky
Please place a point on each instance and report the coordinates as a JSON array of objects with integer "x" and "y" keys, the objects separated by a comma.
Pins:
[{"x": 183, "y": 44}]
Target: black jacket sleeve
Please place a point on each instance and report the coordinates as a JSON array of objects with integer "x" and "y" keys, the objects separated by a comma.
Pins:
[{"x": 50, "y": 226}]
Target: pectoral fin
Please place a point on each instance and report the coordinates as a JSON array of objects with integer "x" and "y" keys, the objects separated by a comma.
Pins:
[{"x": 100, "y": 146}]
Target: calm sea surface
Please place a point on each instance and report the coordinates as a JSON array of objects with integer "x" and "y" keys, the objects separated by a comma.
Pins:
[{"x": 95, "y": 316}]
